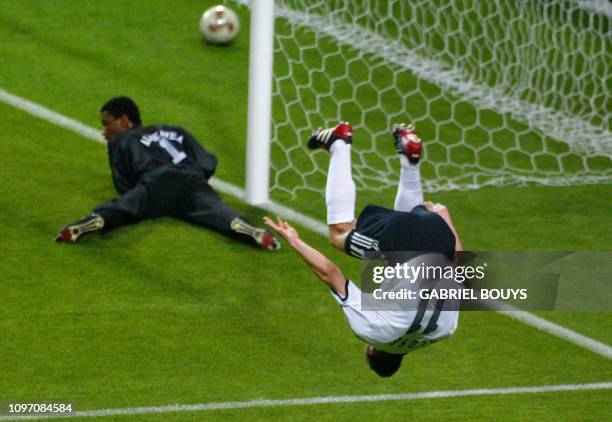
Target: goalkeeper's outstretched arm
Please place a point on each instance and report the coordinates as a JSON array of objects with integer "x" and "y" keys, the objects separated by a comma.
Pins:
[{"x": 326, "y": 270}]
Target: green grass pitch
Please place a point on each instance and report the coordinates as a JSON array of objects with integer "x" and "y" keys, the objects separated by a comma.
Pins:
[{"x": 163, "y": 312}]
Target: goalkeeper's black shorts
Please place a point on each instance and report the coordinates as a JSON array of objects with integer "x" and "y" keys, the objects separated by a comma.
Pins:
[{"x": 381, "y": 229}]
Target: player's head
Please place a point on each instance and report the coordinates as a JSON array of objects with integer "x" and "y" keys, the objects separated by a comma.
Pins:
[
  {"x": 383, "y": 363},
  {"x": 118, "y": 115}
]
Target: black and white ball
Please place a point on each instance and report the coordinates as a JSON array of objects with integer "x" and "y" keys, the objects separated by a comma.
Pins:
[{"x": 219, "y": 25}]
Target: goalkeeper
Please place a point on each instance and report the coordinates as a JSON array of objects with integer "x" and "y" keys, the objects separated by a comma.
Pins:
[{"x": 160, "y": 171}]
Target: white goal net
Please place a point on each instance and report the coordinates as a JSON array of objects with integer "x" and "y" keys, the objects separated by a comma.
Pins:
[{"x": 502, "y": 92}]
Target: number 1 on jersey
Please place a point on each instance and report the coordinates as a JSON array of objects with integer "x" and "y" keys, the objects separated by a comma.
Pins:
[{"x": 177, "y": 156}]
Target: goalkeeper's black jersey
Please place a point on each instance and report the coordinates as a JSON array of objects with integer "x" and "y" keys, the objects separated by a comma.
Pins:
[{"x": 141, "y": 150}]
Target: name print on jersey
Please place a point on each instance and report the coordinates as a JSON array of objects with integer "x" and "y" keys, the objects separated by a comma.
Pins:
[{"x": 163, "y": 138}]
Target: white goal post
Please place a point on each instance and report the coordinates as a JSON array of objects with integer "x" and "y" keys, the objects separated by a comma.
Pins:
[
  {"x": 503, "y": 92},
  {"x": 261, "y": 55}
]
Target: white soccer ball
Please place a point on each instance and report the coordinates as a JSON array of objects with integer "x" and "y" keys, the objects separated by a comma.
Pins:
[{"x": 219, "y": 25}]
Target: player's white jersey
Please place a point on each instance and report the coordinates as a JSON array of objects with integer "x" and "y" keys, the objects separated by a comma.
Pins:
[{"x": 399, "y": 331}]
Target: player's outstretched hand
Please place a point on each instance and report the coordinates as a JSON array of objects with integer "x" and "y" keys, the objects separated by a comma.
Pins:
[{"x": 283, "y": 228}]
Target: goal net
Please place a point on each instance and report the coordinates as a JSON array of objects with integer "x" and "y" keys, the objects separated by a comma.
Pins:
[{"x": 502, "y": 92}]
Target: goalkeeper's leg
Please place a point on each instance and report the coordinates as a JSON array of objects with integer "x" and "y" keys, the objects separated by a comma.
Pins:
[
  {"x": 409, "y": 148},
  {"x": 207, "y": 209},
  {"x": 340, "y": 190},
  {"x": 128, "y": 208}
]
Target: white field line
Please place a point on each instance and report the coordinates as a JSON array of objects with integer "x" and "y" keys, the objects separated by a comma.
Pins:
[
  {"x": 550, "y": 327},
  {"x": 293, "y": 215},
  {"x": 324, "y": 400}
]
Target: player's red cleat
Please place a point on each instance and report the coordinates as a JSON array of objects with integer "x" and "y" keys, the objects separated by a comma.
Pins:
[
  {"x": 407, "y": 142},
  {"x": 324, "y": 138},
  {"x": 72, "y": 232}
]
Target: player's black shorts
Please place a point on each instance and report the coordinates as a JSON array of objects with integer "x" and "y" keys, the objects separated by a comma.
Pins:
[{"x": 381, "y": 229}]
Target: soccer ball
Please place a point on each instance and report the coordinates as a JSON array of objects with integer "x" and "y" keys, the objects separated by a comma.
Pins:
[{"x": 219, "y": 25}]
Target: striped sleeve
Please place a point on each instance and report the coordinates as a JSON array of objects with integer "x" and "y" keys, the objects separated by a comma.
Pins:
[{"x": 357, "y": 245}]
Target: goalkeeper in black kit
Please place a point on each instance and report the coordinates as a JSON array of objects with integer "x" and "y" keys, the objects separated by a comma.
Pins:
[{"x": 159, "y": 171}]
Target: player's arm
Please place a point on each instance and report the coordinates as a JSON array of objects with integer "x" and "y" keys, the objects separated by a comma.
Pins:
[
  {"x": 446, "y": 216},
  {"x": 443, "y": 212},
  {"x": 326, "y": 270}
]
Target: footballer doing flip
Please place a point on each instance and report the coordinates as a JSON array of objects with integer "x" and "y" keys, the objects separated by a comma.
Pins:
[{"x": 412, "y": 225}]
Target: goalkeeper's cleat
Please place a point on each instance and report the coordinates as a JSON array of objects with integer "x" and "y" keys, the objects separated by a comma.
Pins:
[
  {"x": 266, "y": 240},
  {"x": 72, "y": 232},
  {"x": 407, "y": 142},
  {"x": 263, "y": 238},
  {"x": 324, "y": 138}
]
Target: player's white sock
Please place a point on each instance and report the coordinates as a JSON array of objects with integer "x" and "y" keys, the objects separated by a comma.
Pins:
[
  {"x": 340, "y": 189},
  {"x": 409, "y": 190}
]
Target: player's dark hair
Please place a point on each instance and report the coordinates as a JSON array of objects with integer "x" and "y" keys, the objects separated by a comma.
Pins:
[
  {"x": 383, "y": 363},
  {"x": 123, "y": 106}
]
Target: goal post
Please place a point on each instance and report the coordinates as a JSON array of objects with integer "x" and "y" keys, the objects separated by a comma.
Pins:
[
  {"x": 260, "y": 101},
  {"x": 503, "y": 93}
]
